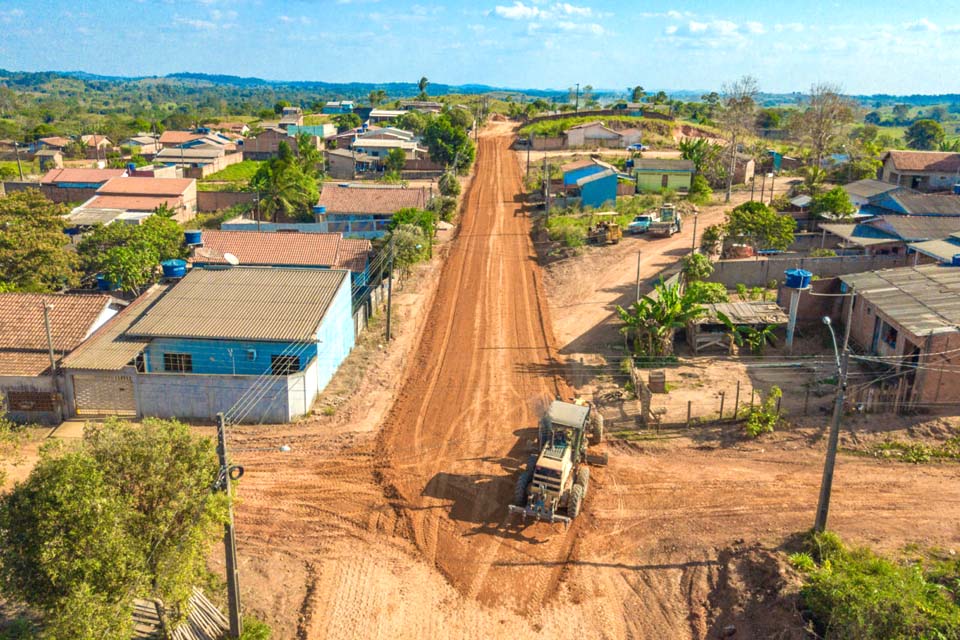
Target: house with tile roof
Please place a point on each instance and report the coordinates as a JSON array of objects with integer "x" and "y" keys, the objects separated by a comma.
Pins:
[
  {"x": 257, "y": 343},
  {"x": 364, "y": 211},
  {"x": 75, "y": 185},
  {"x": 921, "y": 170},
  {"x": 96, "y": 145},
  {"x": 132, "y": 199},
  {"x": 273, "y": 249},
  {"x": 29, "y": 361}
]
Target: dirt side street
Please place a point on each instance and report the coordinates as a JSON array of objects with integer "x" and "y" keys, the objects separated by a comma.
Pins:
[{"x": 402, "y": 532}]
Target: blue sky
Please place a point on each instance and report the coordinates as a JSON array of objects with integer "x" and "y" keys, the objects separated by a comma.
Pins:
[{"x": 866, "y": 47}]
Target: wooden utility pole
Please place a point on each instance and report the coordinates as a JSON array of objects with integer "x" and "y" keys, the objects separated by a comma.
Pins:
[
  {"x": 16, "y": 148},
  {"x": 826, "y": 484},
  {"x": 546, "y": 186},
  {"x": 638, "y": 276},
  {"x": 46, "y": 326},
  {"x": 229, "y": 540}
]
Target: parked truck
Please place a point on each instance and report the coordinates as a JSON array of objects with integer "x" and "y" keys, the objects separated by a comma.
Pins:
[
  {"x": 555, "y": 481},
  {"x": 668, "y": 221}
]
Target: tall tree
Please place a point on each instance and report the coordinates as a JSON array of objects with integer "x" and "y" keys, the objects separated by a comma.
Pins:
[
  {"x": 924, "y": 135},
  {"x": 637, "y": 94},
  {"x": 760, "y": 226},
  {"x": 33, "y": 247},
  {"x": 422, "y": 85},
  {"x": 738, "y": 118},
  {"x": 308, "y": 155},
  {"x": 448, "y": 144},
  {"x": 835, "y": 203},
  {"x": 377, "y": 96},
  {"x": 826, "y": 114},
  {"x": 395, "y": 160},
  {"x": 346, "y": 121},
  {"x": 285, "y": 190}
]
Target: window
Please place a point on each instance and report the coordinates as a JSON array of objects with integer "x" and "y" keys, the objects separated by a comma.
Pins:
[
  {"x": 284, "y": 365},
  {"x": 890, "y": 335},
  {"x": 178, "y": 362},
  {"x": 665, "y": 181}
]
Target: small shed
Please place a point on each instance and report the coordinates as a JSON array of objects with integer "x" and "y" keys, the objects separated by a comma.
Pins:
[
  {"x": 598, "y": 188},
  {"x": 654, "y": 174},
  {"x": 709, "y": 331},
  {"x": 50, "y": 159}
]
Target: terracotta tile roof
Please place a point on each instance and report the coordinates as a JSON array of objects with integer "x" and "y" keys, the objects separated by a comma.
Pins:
[
  {"x": 94, "y": 139},
  {"x": 243, "y": 303},
  {"x": 940, "y": 161},
  {"x": 109, "y": 349},
  {"x": 130, "y": 203},
  {"x": 178, "y": 137},
  {"x": 171, "y": 187},
  {"x": 255, "y": 248},
  {"x": 23, "y": 339},
  {"x": 370, "y": 200},
  {"x": 80, "y": 175},
  {"x": 56, "y": 141}
]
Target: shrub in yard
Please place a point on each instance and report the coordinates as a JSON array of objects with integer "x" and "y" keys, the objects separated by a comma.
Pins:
[
  {"x": 700, "y": 191},
  {"x": 823, "y": 253},
  {"x": 566, "y": 231},
  {"x": 707, "y": 292},
  {"x": 696, "y": 266},
  {"x": 742, "y": 291},
  {"x": 854, "y": 593},
  {"x": 764, "y": 417}
]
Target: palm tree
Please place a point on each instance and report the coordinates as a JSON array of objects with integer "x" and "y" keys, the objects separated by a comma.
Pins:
[
  {"x": 422, "y": 85},
  {"x": 377, "y": 96},
  {"x": 654, "y": 319}
]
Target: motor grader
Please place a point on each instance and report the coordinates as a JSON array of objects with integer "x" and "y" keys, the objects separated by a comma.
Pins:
[{"x": 557, "y": 478}]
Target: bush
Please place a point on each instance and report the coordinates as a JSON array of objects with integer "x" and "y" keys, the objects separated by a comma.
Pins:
[
  {"x": 742, "y": 291},
  {"x": 700, "y": 191},
  {"x": 823, "y": 253},
  {"x": 567, "y": 232},
  {"x": 253, "y": 629},
  {"x": 444, "y": 207},
  {"x": 763, "y": 418},
  {"x": 707, "y": 292},
  {"x": 854, "y": 593},
  {"x": 449, "y": 185},
  {"x": 696, "y": 266},
  {"x": 710, "y": 239}
]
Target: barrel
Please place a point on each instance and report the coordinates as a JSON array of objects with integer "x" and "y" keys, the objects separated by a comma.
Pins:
[
  {"x": 798, "y": 278},
  {"x": 104, "y": 284},
  {"x": 956, "y": 189},
  {"x": 193, "y": 236},
  {"x": 956, "y": 260},
  {"x": 174, "y": 268}
]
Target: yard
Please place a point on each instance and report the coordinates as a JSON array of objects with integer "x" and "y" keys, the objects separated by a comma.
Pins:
[{"x": 239, "y": 172}]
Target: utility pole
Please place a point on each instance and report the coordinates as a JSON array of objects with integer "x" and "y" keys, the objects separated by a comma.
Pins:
[
  {"x": 546, "y": 186},
  {"x": 16, "y": 148},
  {"x": 392, "y": 250},
  {"x": 763, "y": 186},
  {"x": 577, "y": 107},
  {"x": 693, "y": 246},
  {"x": 229, "y": 541},
  {"x": 529, "y": 146},
  {"x": 826, "y": 484},
  {"x": 256, "y": 201},
  {"x": 638, "y": 276},
  {"x": 46, "y": 326},
  {"x": 846, "y": 327}
]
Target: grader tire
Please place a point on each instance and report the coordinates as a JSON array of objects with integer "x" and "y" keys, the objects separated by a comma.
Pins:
[
  {"x": 573, "y": 503},
  {"x": 583, "y": 479},
  {"x": 520, "y": 489}
]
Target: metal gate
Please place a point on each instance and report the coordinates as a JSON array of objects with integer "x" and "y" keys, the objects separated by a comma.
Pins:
[{"x": 104, "y": 395}]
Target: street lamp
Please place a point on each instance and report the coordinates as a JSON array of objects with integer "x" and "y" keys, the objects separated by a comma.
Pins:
[{"x": 826, "y": 484}]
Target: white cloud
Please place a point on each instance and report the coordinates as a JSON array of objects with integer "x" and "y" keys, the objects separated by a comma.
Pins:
[
  {"x": 518, "y": 11},
  {"x": 559, "y": 17},
  {"x": 217, "y": 21},
  {"x": 922, "y": 25},
  {"x": 710, "y": 34},
  {"x": 10, "y": 15},
  {"x": 294, "y": 19},
  {"x": 795, "y": 27},
  {"x": 755, "y": 27}
]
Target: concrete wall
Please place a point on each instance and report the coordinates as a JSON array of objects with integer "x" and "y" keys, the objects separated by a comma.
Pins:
[
  {"x": 58, "y": 194},
  {"x": 219, "y": 163},
  {"x": 12, "y": 186},
  {"x": 336, "y": 336},
  {"x": 600, "y": 191},
  {"x": 654, "y": 181},
  {"x": 234, "y": 357},
  {"x": 217, "y": 200},
  {"x": 554, "y": 143},
  {"x": 757, "y": 273},
  {"x": 39, "y": 384},
  {"x": 170, "y": 395}
]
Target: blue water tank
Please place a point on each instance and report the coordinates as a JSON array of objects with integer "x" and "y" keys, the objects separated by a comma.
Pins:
[
  {"x": 174, "y": 268},
  {"x": 193, "y": 236},
  {"x": 131, "y": 167},
  {"x": 956, "y": 189},
  {"x": 956, "y": 260},
  {"x": 798, "y": 278},
  {"x": 103, "y": 284}
]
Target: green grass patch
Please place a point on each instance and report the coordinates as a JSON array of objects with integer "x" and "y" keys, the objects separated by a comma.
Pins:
[
  {"x": 916, "y": 452},
  {"x": 316, "y": 118},
  {"x": 239, "y": 172},
  {"x": 553, "y": 128},
  {"x": 855, "y": 593}
]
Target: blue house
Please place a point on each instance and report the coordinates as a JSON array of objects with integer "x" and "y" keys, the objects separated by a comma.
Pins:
[
  {"x": 595, "y": 181},
  {"x": 338, "y": 106},
  {"x": 256, "y": 343}
]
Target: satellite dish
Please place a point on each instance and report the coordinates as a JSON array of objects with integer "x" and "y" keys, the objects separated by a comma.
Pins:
[{"x": 231, "y": 259}]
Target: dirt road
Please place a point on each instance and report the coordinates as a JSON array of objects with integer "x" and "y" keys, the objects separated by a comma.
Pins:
[{"x": 405, "y": 535}]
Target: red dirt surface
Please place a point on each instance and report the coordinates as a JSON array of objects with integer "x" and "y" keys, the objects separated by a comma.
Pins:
[{"x": 405, "y": 534}]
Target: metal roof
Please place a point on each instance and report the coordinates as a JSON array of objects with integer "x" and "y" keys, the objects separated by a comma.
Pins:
[
  {"x": 928, "y": 203},
  {"x": 918, "y": 227},
  {"x": 662, "y": 164},
  {"x": 567, "y": 414},
  {"x": 924, "y": 300},
  {"x": 860, "y": 234},
  {"x": 868, "y": 188},
  {"x": 606, "y": 173},
  {"x": 109, "y": 349},
  {"x": 942, "y": 250},
  {"x": 243, "y": 303}
]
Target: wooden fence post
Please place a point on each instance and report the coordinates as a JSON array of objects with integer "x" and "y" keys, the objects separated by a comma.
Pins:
[
  {"x": 723, "y": 396},
  {"x": 689, "y": 406},
  {"x": 736, "y": 402},
  {"x": 806, "y": 402}
]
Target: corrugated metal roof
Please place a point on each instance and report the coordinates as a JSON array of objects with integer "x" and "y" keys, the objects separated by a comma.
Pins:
[
  {"x": 924, "y": 300},
  {"x": 919, "y": 227},
  {"x": 109, "y": 349},
  {"x": 868, "y": 188},
  {"x": 662, "y": 164},
  {"x": 243, "y": 303},
  {"x": 929, "y": 203},
  {"x": 860, "y": 234},
  {"x": 942, "y": 250}
]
